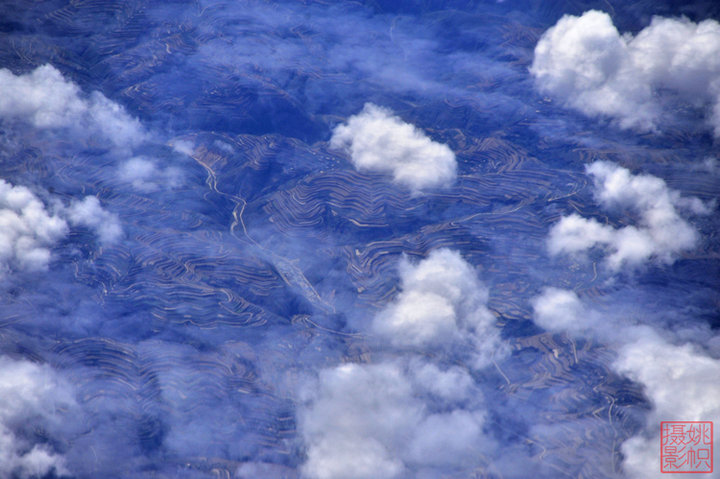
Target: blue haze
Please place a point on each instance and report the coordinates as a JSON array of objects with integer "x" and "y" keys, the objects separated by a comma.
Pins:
[{"x": 186, "y": 341}]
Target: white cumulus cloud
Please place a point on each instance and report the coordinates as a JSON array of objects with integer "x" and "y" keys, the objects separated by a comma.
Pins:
[
  {"x": 27, "y": 230},
  {"x": 45, "y": 99},
  {"x": 89, "y": 213},
  {"x": 661, "y": 233},
  {"x": 412, "y": 414},
  {"x": 560, "y": 310},
  {"x": 370, "y": 421},
  {"x": 594, "y": 69},
  {"x": 681, "y": 383},
  {"x": 678, "y": 378},
  {"x": 379, "y": 141},
  {"x": 442, "y": 304},
  {"x": 28, "y": 391}
]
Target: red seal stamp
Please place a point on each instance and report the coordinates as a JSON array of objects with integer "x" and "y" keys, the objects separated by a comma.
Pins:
[{"x": 686, "y": 446}]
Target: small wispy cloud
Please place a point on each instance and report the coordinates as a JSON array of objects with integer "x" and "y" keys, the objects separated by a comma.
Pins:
[
  {"x": 146, "y": 175},
  {"x": 46, "y": 100}
]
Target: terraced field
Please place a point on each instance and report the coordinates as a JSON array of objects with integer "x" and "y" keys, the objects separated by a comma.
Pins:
[{"x": 190, "y": 343}]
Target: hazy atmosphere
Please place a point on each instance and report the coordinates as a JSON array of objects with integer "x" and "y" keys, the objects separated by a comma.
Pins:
[{"x": 357, "y": 240}]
